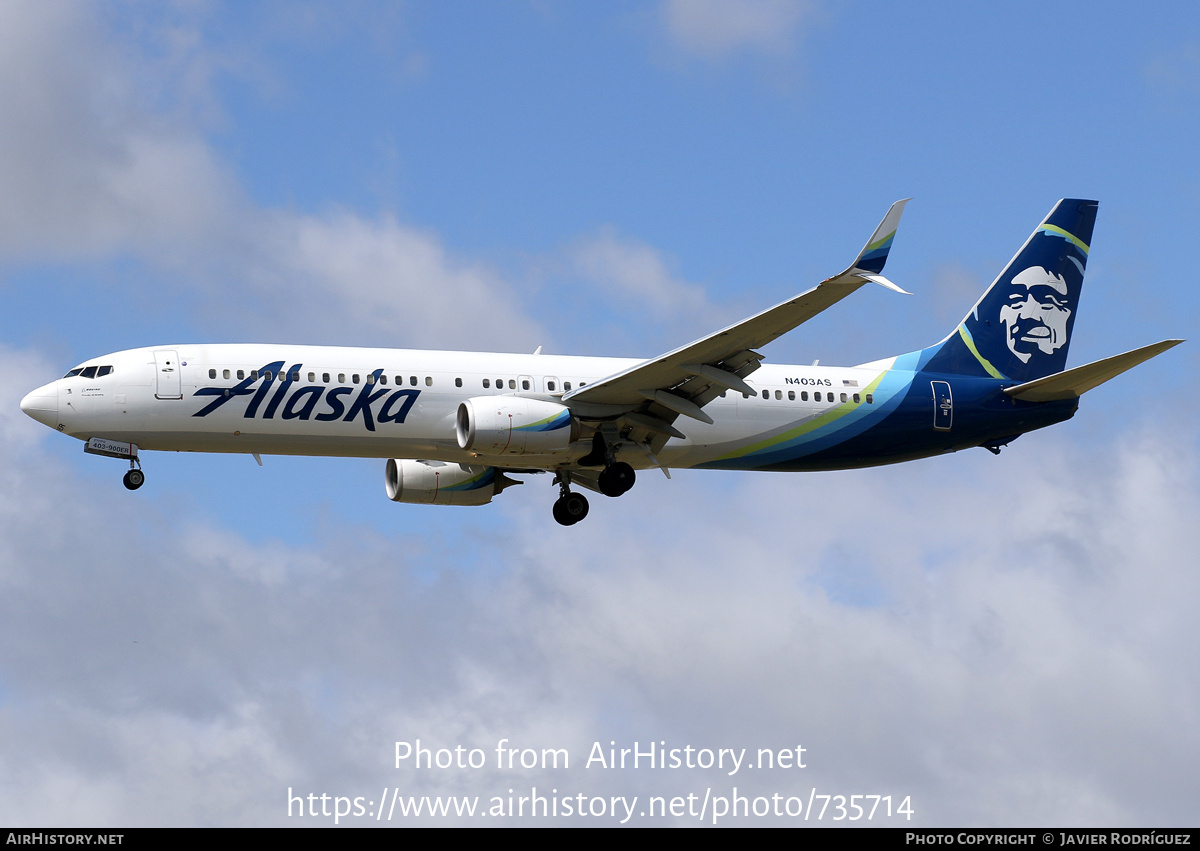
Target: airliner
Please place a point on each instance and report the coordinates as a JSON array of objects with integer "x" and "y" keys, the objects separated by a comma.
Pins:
[{"x": 455, "y": 428}]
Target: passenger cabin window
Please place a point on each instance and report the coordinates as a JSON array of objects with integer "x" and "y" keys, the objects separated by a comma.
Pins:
[
  {"x": 512, "y": 384},
  {"x": 225, "y": 373},
  {"x": 324, "y": 377},
  {"x": 241, "y": 374},
  {"x": 803, "y": 395},
  {"x": 856, "y": 399},
  {"x": 212, "y": 373},
  {"x": 778, "y": 395},
  {"x": 268, "y": 375},
  {"x": 341, "y": 378},
  {"x": 412, "y": 379},
  {"x": 766, "y": 394},
  {"x": 487, "y": 383},
  {"x": 870, "y": 399},
  {"x": 312, "y": 376},
  {"x": 566, "y": 385},
  {"x": 843, "y": 397},
  {"x": 354, "y": 378},
  {"x": 791, "y": 395},
  {"x": 550, "y": 386},
  {"x": 429, "y": 381},
  {"x": 524, "y": 384},
  {"x": 458, "y": 382},
  {"x": 296, "y": 376},
  {"x": 383, "y": 379},
  {"x": 371, "y": 378}
]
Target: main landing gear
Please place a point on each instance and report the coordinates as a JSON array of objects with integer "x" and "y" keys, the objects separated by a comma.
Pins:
[
  {"x": 570, "y": 507},
  {"x": 617, "y": 477},
  {"x": 135, "y": 478}
]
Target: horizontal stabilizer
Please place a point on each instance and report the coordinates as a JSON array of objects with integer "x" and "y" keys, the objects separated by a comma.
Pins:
[{"x": 1073, "y": 383}]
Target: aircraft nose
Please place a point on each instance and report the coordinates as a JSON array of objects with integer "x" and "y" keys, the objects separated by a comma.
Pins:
[{"x": 42, "y": 405}]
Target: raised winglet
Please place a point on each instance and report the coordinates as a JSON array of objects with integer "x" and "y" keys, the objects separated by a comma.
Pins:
[
  {"x": 727, "y": 355},
  {"x": 870, "y": 260},
  {"x": 874, "y": 254}
]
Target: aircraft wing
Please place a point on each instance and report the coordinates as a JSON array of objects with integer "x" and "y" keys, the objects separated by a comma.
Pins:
[{"x": 684, "y": 380}]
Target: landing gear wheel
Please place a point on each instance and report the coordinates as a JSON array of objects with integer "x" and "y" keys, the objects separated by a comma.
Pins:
[
  {"x": 616, "y": 479},
  {"x": 134, "y": 479},
  {"x": 570, "y": 509}
]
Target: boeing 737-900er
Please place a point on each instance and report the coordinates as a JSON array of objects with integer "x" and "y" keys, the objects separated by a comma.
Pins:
[{"x": 457, "y": 426}]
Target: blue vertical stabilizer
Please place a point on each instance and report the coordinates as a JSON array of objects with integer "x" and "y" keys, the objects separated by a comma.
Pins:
[{"x": 1020, "y": 329}]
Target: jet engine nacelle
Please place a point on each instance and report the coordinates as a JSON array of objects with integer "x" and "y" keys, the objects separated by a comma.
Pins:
[
  {"x": 438, "y": 483},
  {"x": 511, "y": 425}
]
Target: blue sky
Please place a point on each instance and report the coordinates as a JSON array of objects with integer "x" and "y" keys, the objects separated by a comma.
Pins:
[{"x": 618, "y": 179}]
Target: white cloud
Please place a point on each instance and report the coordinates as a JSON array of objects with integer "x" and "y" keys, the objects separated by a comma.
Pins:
[
  {"x": 85, "y": 170},
  {"x": 89, "y": 169},
  {"x": 1006, "y": 640},
  {"x": 717, "y": 28},
  {"x": 351, "y": 276},
  {"x": 639, "y": 274}
]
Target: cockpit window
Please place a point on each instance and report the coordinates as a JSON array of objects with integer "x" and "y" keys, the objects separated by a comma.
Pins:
[{"x": 89, "y": 371}]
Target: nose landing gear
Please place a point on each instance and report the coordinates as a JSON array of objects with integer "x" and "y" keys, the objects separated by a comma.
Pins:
[{"x": 134, "y": 478}]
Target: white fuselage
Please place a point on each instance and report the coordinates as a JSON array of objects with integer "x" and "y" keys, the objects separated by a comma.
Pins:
[{"x": 390, "y": 403}]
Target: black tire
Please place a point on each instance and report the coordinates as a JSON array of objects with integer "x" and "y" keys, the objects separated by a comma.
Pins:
[
  {"x": 616, "y": 479},
  {"x": 134, "y": 479},
  {"x": 570, "y": 509},
  {"x": 575, "y": 506}
]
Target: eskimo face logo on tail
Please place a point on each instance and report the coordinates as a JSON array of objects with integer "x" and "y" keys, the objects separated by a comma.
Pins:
[
  {"x": 302, "y": 404},
  {"x": 1036, "y": 313}
]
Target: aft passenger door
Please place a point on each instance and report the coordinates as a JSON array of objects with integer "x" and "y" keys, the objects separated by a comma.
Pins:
[
  {"x": 943, "y": 406},
  {"x": 167, "y": 381}
]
